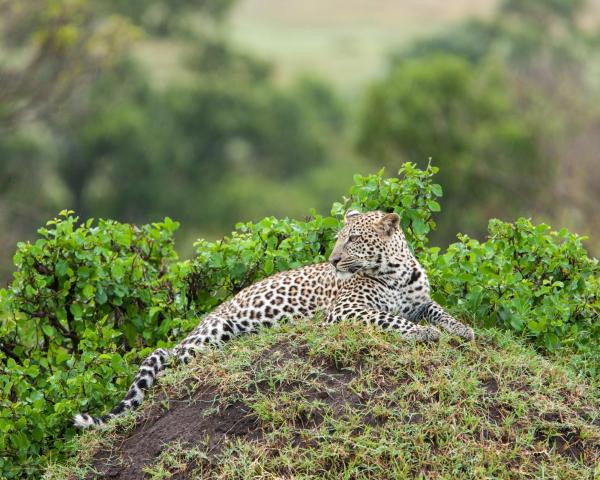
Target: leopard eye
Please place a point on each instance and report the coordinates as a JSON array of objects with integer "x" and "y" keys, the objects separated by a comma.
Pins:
[{"x": 354, "y": 238}]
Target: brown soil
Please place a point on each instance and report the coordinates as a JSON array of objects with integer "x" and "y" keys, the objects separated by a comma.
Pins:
[{"x": 185, "y": 422}]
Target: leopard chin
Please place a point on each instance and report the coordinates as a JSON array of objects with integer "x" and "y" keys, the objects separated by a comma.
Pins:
[{"x": 343, "y": 274}]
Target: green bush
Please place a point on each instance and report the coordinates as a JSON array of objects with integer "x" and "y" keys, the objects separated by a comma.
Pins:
[
  {"x": 89, "y": 301},
  {"x": 85, "y": 303},
  {"x": 525, "y": 278}
]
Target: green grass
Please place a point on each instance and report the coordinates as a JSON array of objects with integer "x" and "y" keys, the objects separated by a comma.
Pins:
[{"x": 348, "y": 401}]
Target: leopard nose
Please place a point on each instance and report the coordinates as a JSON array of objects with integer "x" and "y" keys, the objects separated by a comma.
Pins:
[{"x": 335, "y": 259}]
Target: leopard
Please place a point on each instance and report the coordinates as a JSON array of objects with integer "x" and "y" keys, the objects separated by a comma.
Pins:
[{"x": 372, "y": 276}]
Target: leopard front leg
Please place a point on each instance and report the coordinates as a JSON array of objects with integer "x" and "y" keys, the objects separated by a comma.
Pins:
[
  {"x": 388, "y": 321},
  {"x": 434, "y": 313}
]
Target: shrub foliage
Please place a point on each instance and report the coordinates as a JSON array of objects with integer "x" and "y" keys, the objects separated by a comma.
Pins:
[
  {"x": 526, "y": 278},
  {"x": 89, "y": 300}
]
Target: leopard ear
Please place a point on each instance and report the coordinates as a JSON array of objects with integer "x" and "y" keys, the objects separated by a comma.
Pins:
[
  {"x": 388, "y": 224},
  {"x": 351, "y": 214}
]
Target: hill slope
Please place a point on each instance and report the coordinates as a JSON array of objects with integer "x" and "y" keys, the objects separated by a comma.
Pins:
[{"x": 348, "y": 401}]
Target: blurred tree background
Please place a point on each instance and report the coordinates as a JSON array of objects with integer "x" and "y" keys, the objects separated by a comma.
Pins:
[{"x": 215, "y": 111}]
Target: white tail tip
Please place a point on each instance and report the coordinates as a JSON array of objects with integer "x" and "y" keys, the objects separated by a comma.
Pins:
[{"x": 83, "y": 421}]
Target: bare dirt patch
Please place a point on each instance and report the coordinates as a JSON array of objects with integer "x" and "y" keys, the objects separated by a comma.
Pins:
[
  {"x": 490, "y": 385},
  {"x": 186, "y": 422}
]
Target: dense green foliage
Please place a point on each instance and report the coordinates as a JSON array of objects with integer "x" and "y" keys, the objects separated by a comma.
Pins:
[
  {"x": 84, "y": 303},
  {"x": 525, "y": 278},
  {"x": 88, "y": 301}
]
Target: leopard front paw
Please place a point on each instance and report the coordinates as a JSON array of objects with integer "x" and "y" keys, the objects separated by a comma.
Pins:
[
  {"x": 432, "y": 334},
  {"x": 466, "y": 332},
  {"x": 427, "y": 334}
]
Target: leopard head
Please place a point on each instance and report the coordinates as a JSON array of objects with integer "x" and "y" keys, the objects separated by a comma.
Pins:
[{"x": 369, "y": 243}]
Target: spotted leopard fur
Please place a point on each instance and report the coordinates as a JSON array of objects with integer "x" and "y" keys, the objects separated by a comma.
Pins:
[{"x": 371, "y": 275}]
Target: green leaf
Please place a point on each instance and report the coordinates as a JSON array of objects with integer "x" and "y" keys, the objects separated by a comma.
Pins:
[
  {"x": 101, "y": 297},
  {"x": 61, "y": 356},
  {"x": 76, "y": 310},
  {"x": 330, "y": 222},
  {"x": 20, "y": 441},
  {"x": 61, "y": 268},
  {"x": 117, "y": 271},
  {"x": 419, "y": 226},
  {"x": 436, "y": 189},
  {"x": 88, "y": 291},
  {"x": 268, "y": 265},
  {"x": 434, "y": 206},
  {"x": 48, "y": 330}
]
